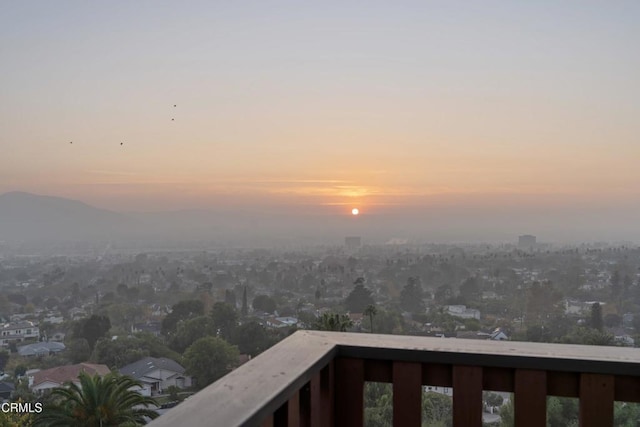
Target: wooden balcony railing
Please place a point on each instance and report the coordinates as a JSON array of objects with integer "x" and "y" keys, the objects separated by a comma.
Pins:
[{"x": 316, "y": 379}]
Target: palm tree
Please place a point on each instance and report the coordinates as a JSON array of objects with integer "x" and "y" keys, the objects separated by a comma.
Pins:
[
  {"x": 371, "y": 311},
  {"x": 98, "y": 402},
  {"x": 333, "y": 322}
]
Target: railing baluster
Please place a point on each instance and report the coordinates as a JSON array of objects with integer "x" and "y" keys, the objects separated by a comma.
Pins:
[
  {"x": 293, "y": 410},
  {"x": 467, "y": 396},
  {"x": 349, "y": 392},
  {"x": 268, "y": 422},
  {"x": 530, "y": 398},
  {"x": 596, "y": 400},
  {"x": 407, "y": 394}
]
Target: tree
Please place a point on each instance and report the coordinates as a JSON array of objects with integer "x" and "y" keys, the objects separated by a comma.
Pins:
[
  {"x": 437, "y": 409},
  {"x": 359, "y": 298},
  {"x": 588, "y": 336},
  {"x": 4, "y": 358},
  {"x": 251, "y": 338},
  {"x": 507, "y": 414},
  {"x": 210, "y": 358},
  {"x": 92, "y": 329},
  {"x": 595, "y": 320},
  {"x": 124, "y": 350},
  {"x": 230, "y": 297},
  {"x": 333, "y": 322},
  {"x": 492, "y": 399},
  {"x": 182, "y": 310},
  {"x": 98, "y": 401},
  {"x": 370, "y": 311},
  {"x": 470, "y": 289},
  {"x": 264, "y": 303},
  {"x": 16, "y": 419},
  {"x": 245, "y": 308},
  {"x": 189, "y": 331},
  {"x": 78, "y": 350},
  {"x": 224, "y": 318},
  {"x": 411, "y": 298},
  {"x": 378, "y": 404}
]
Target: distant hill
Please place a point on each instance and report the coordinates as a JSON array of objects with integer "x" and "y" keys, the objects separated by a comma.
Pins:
[{"x": 31, "y": 217}]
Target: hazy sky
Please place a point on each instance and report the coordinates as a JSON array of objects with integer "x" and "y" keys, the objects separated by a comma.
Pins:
[{"x": 321, "y": 106}]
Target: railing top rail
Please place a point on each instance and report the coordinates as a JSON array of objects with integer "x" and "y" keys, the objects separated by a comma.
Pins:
[
  {"x": 255, "y": 390},
  {"x": 507, "y": 354},
  {"x": 247, "y": 395}
]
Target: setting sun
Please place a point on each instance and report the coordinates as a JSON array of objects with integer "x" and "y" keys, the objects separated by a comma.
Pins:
[{"x": 355, "y": 211}]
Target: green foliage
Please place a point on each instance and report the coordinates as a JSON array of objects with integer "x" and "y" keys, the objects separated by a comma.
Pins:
[
  {"x": 561, "y": 411},
  {"x": 210, "y": 358},
  {"x": 359, "y": 298},
  {"x": 492, "y": 399},
  {"x": 378, "y": 404},
  {"x": 124, "y": 350},
  {"x": 16, "y": 419},
  {"x": 437, "y": 410},
  {"x": 470, "y": 289},
  {"x": 225, "y": 320},
  {"x": 98, "y": 401},
  {"x": 626, "y": 414},
  {"x": 543, "y": 300},
  {"x": 173, "y": 392},
  {"x": 412, "y": 298},
  {"x": 252, "y": 338},
  {"x": 245, "y": 308},
  {"x": 595, "y": 319},
  {"x": 182, "y": 310},
  {"x": 538, "y": 333},
  {"x": 388, "y": 322},
  {"x": 78, "y": 350},
  {"x": 507, "y": 414},
  {"x": 333, "y": 322},
  {"x": 370, "y": 311},
  {"x": 92, "y": 329},
  {"x": 4, "y": 358},
  {"x": 189, "y": 331},
  {"x": 20, "y": 370},
  {"x": 588, "y": 336},
  {"x": 264, "y": 303}
]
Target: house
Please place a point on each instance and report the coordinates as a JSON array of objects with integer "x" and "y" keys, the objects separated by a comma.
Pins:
[
  {"x": 6, "y": 388},
  {"x": 18, "y": 332},
  {"x": 55, "y": 377},
  {"x": 41, "y": 349},
  {"x": 156, "y": 374},
  {"x": 463, "y": 312},
  {"x": 151, "y": 327},
  {"x": 499, "y": 335}
]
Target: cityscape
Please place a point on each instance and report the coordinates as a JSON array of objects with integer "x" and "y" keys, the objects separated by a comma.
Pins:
[{"x": 326, "y": 214}]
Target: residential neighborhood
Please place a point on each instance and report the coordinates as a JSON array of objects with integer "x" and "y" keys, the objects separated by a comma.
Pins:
[{"x": 155, "y": 316}]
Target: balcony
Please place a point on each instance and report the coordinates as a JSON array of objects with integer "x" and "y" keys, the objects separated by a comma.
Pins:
[{"x": 316, "y": 378}]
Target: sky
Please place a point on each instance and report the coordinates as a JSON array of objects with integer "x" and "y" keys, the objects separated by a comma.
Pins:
[{"x": 412, "y": 109}]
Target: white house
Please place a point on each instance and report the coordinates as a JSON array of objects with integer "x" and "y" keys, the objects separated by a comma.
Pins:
[
  {"x": 463, "y": 312},
  {"x": 18, "y": 332},
  {"x": 157, "y": 374}
]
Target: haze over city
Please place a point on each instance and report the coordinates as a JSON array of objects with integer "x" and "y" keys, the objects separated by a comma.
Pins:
[{"x": 482, "y": 122}]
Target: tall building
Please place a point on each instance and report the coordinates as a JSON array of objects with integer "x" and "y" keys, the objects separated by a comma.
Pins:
[{"x": 526, "y": 241}]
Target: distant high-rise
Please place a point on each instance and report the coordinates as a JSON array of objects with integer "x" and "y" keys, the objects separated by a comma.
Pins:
[
  {"x": 352, "y": 242},
  {"x": 526, "y": 241}
]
